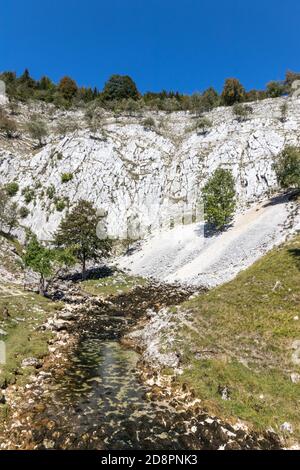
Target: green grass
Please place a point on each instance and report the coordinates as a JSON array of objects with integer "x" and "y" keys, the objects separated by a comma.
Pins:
[
  {"x": 24, "y": 339},
  {"x": 240, "y": 336},
  {"x": 119, "y": 283}
]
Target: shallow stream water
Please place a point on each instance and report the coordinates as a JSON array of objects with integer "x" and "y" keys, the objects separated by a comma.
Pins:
[{"x": 108, "y": 405}]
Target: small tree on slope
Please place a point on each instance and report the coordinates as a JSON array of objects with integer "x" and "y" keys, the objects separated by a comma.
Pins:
[
  {"x": 78, "y": 230},
  {"x": 45, "y": 261},
  {"x": 287, "y": 168},
  {"x": 219, "y": 198}
]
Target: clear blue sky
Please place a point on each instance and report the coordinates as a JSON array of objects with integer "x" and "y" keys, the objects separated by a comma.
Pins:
[{"x": 184, "y": 45}]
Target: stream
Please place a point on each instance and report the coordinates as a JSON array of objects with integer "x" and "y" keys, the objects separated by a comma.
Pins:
[{"x": 90, "y": 396}]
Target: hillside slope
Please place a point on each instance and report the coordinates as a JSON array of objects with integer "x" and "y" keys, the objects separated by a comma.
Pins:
[
  {"x": 238, "y": 345},
  {"x": 186, "y": 254}
]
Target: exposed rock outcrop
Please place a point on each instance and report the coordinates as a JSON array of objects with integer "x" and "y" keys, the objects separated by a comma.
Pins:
[{"x": 140, "y": 177}]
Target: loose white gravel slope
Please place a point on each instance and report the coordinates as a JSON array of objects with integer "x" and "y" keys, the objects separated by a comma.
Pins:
[{"x": 185, "y": 255}]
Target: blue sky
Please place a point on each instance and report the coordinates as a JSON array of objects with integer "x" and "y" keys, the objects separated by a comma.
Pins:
[{"x": 184, "y": 45}]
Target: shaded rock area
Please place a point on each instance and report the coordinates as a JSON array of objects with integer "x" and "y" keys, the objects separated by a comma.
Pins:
[{"x": 91, "y": 392}]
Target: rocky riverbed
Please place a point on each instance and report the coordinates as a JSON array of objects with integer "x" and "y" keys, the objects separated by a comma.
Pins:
[{"x": 94, "y": 392}]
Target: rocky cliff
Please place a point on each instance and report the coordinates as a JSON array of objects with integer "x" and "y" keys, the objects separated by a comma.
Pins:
[{"x": 135, "y": 176}]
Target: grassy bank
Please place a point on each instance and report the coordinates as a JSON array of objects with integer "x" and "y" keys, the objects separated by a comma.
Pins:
[
  {"x": 23, "y": 338},
  {"x": 241, "y": 335}
]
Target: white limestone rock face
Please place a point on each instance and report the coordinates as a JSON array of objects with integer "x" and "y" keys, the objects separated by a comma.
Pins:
[{"x": 134, "y": 175}]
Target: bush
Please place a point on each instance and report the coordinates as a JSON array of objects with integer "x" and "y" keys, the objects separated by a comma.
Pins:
[
  {"x": 287, "y": 168},
  {"x": 12, "y": 188},
  {"x": 283, "y": 112},
  {"x": 8, "y": 126},
  {"x": 64, "y": 126},
  {"x": 50, "y": 191},
  {"x": 203, "y": 125},
  {"x": 37, "y": 130},
  {"x": 28, "y": 194},
  {"x": 66, "y": 177},
  {"x": 242, "y": 112},
  {"x": 60, "y": 205},
  {"x": 149, "y": 124},
  {"x": 8, "y": 212},
  {"x": 219, "y": 198},
  {"x": 23, "y": 212},
  {"x": 233, "y": 92}
]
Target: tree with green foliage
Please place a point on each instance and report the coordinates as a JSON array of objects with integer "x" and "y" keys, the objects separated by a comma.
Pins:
[
  {"x": 233, "y": 92},
  {"x": 120, "y": 87},
  {"x": 287, "y": 167},
  {"x": 219, "y": 198},
  {"x": 8, "y": 212},
  {"x": 210, "y": 99},
  {"x": 46, "y": 262},
  {"x": 25, "y": 79},
  {"x": 78, "y": 231}
]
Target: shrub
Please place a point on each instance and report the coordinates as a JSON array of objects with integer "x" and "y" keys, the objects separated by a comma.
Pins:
[
  {"x": 287, "y": 168},
  {"x": 50, "y": 191},
  {"x": 28, "y": 194},
  {"x": 149, "y": 124},
  {"x": 37, "y": 130},
  {"x": 233, "y": 92},
  {"x": 203, "y": 125},
  {"x": 242, "y": 112},
  {"x": 60, "y": 205},
  {"x": 66, "y": 177},
  {"x": 64, "y": 126},
  {"x": 8, "y": 212},
  {"x": 8, "y": 126},
  {"x": 283, "y": 112},
  {"x": 23, "y": 212},
  {"x": 219, "y": 198},
  {"x": 12, "y": 188}
]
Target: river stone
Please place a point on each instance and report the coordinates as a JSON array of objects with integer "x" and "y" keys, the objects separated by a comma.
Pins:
[
  {"x": 287, "y": 427},
  {"x": 295, "y": 377},
  {"x": 66, "y": 316},
  {"x": 30, "y": 362},
  {"x": 59, "y": 325}
]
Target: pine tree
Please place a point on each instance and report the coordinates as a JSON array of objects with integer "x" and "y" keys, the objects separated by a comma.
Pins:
[
  {"x": 219, "y": 198},
  {"x": 78, "y": 230},
  {"x": 287, "y": 168}
]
